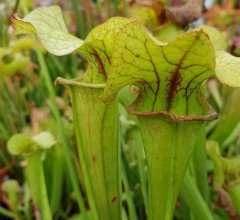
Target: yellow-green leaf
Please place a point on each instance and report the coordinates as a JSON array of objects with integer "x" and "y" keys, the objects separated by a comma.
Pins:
[
  {"x": 98, "y": 48},
  {"x": 168, "y": 32},
  {"x": 17, "y": 63},
  {"x": 216, "y": 37},
  {"x": 228, "y": 69},
  {"x": 169, "y": 76},
  {"x": 44, "y": 140},
  {"x": 21, "y": 144},
  {"x": 49, "y": 26},
  {"x": 145, "y": 14}
]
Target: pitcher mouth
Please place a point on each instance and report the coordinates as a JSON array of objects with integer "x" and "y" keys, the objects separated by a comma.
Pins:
[
  {"x": 176, "y": 118},
  {"x": 75, "y": 82},
  {"x": 212, "y": 114}
]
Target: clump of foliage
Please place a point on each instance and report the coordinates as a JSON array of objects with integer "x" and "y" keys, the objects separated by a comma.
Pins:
[{"x": 164, "y": 111}]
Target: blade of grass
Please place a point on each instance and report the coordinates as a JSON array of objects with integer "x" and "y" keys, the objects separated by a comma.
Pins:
[
  {"x": 57, "y": 64},
  {"x": 7, "y": 213},
  {"x": 16, "y": 7},
  {"x": 192, "y": 197},
  {"x": 73, "y": 64},
  {"x": 3, "y": 31},
  {"x": 211, "y": 126},
  {"x": 124, "y": 214},
  {"x": 116, "y": 10},
  {"x": 80, "y": 22},
  {"x": 129, "y": 199},
  {"x": 198, "y": 162},
  {"x": 57, "y": 181},
  {"x": 135, "y": 135},
  {"x": 214, "y": 91},
  {"x": 4, "y": 160},
  {"x": 27, "y": 198},
  {"x": 3, "y": 132},
  {"x": 185, "y": 211},
  {"x": 10, "y": 101},
  {"x": 232, "y": 137}
]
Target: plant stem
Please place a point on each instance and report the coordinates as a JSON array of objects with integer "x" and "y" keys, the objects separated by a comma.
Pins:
[
  {"x": 35, "y": 175},
  {"x": 57, "y": 180},
  {"x": 27, "y": 198}
]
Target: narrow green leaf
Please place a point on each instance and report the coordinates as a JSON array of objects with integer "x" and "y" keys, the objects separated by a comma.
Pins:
[
  {"x": 199, "y": 159},
  {"x": 194, "y": 200},
  {"x": 7, "y": 213},
  {"x": 228, "y": 118},
  {"x": 228, "y": 69}
]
